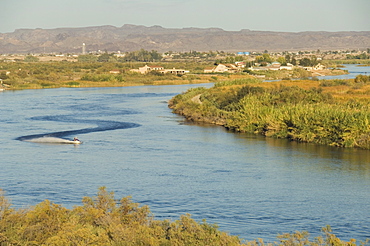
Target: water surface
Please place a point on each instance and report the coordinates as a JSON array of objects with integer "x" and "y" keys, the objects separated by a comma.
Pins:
[{"x": 132, "y": 144}]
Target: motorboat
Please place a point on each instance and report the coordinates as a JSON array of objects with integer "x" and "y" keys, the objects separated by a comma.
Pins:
[{"x": 76, "y": 141}]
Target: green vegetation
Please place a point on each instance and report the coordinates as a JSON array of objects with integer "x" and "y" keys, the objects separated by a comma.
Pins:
[
  {"x": 307, "y": 62},
  {"x": 347, "y": 61},
  {"x": 92, "y": 71},
  {"x": 285, "y": 74},
  {"x": 332, "y": 113},
  {"x": 362, "y": 79},
  {"x": 362, "y": 56},
  {"x": 102, "y": 220},
  {"x": 143, "y": 56},
  {"x": 30, "y": 58}
]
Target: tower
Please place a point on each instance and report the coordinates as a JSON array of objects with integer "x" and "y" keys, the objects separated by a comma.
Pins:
[{"x": 83, "y": 48}]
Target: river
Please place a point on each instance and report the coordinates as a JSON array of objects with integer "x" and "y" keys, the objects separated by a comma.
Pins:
[
  {"x": 353, "y": 71},
  {"x": 134, "y": 145}
]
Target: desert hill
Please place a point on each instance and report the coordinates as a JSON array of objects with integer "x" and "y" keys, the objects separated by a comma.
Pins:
[{"x": 133, "y": 37}]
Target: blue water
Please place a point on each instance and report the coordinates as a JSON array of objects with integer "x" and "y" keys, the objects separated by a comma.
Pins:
[
  {"x": 353, "y": 71},
  {"x": 134, "y": 145}
]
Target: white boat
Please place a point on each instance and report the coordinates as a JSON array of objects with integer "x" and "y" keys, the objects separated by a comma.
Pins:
[
  {"x": 54, "y": 140},
  {"x": 65, "y": 141},
  {"x": 75, "y": 141}
]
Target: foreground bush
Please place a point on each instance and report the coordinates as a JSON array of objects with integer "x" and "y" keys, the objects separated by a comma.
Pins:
[{"x": 101, "y": 220}]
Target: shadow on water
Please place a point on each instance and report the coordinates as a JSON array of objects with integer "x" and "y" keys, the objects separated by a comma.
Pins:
[
  {"x": 103, "y": 125},
  {"x": 351, "y": 155}
]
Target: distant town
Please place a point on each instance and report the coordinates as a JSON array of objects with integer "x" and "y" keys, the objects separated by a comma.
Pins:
[{"x": 223, "y": 61}]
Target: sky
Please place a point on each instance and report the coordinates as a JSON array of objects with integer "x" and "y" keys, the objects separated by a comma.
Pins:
[{"x": 258, "y": 15}]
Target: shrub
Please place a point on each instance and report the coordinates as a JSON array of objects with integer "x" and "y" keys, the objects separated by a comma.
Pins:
[
  {"x": 362, "y": 79},
  {"x": 237, "y": 82},
  {"x": 102, "y": 220},
  {"x": 73, "y": 84},
  {"x": 335, "y": 82}
]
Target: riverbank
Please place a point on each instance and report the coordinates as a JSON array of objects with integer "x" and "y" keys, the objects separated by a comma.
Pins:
[
  {"x": 136, "y": 81},
  {"x": 329, "y": 112},
  {"x": 87, "y": 84}
]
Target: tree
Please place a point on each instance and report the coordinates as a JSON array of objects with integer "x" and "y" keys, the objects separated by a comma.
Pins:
[
  {"x": 87, "y": 58},
  {"x": 104, "y": 57},
  {"x": 3, "y": 76},
  {"x": 264, "y": 58},
  {"x": 155, "y": 55},
  {"x": 293, "y": 61},
  {"x": 282, "y": 61},
  {"x": 267, "y": 58},
  {"x": 31, "y": 58},
  {"x": 143, "y": 55},
  {"x": 230, "y": 59},
  {"x": 314, "y": 61},
  {"x": 259, "y": 59},
  {"x": 363, "y": 56},
  {"x": 287, "y": 58},
  {"x": 305, "y": 62}
]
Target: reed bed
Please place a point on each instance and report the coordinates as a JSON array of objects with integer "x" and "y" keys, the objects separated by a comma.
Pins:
[{"x": 304, "y": 111}]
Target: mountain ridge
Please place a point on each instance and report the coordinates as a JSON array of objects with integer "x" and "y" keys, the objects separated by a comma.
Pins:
[{"x": 134, "y": 37}]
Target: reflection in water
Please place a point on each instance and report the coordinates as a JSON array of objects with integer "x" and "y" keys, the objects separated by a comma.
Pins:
[
  {"x": 353, "y": 156},
  {"x": 345, "y": 159},
  {"x": 323, "y": 157}
]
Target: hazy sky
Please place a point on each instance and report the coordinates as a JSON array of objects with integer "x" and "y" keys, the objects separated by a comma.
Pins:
[{"x": 233, "y": 15}]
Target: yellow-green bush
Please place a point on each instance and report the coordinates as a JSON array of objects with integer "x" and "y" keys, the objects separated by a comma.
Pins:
[{"x": 102, "y": 220}]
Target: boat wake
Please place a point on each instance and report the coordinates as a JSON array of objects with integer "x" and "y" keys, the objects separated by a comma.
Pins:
[{"x": 59, "y": 137}]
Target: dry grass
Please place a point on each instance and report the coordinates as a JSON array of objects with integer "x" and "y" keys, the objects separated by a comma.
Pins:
[{"x": 341, "y": 92}]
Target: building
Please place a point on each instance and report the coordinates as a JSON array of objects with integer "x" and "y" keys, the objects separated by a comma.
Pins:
[
  {"x": 240, "y": 64},
  {"x": 115, "y": 71},
  {"x": 209, "y": 70},
  {"x": 146, "y": 69},
  {"x": 319, "y": 67},
  {"x": 288, "y": 66},
  {"x": 275, "y": 66},
  {"x": 223, "y": 68},
  {"x": 176, "y": 71}
]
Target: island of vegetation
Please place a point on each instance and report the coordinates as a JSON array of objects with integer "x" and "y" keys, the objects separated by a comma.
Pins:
[
  {"x": 330, "y": 112},
  {"x": 102, "y": 220}
]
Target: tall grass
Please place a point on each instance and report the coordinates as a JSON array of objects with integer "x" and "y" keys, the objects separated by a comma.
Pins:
[{"x": 304, "y": 115}]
